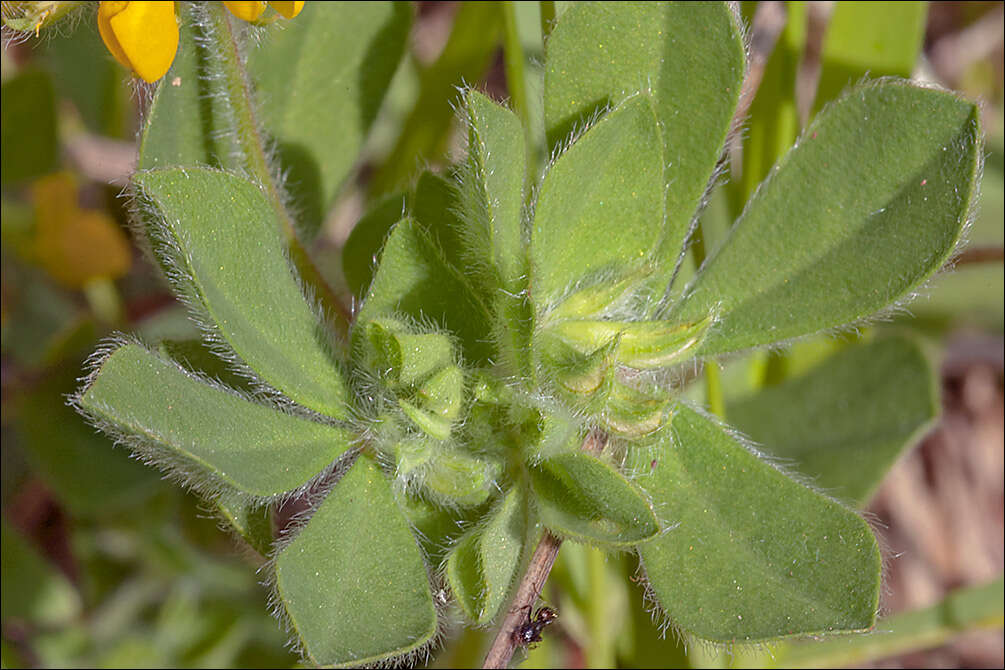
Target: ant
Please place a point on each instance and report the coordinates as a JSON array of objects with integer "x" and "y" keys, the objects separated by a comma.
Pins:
[{"x": 529, "y": 632}]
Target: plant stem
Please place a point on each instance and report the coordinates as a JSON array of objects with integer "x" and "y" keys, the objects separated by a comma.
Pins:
[
  {"x": 547, "y": 18},
  {"x": 538, "y": 569},
  {"x": 252, "y": 144},
  {"x": 713, "y": 381},
  {"x": 504, "y": 645},
  {"x": 516, "y": 80}
]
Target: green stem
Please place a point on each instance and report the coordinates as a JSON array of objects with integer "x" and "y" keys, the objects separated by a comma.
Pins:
[
  {"x": 713, "y": 381},
  {"x": 600, "y": 650},
  {"x": 252, "y": 144},
  {"x": 547, "y": 18},
  {"x": 516, "y": 78}
]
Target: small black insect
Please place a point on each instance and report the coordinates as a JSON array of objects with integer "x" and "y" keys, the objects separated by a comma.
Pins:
[{"x": 529, "y": 632}]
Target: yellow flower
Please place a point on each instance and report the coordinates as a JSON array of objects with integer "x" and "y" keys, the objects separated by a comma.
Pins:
[
  {"x": 251, "y": 11},
  {"x": 75, "y": 245},
  {"x": 143, "y": 36}
]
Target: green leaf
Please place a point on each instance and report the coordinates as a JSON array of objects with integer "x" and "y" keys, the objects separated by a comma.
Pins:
[
  {"x": 33, "y": 589},
  {"x": 691, "y": 59},
  {"x": 187, "y": 124},
  {"x": 362, "y": 248},
  {"x": 600, "y": 210},
  {"x": 845, "y": 422},
  {"x": 491, "y": 216},
  {"x": 859, "y": 43},
  {"x": 861, "y": 212},
  {"x": 492, "y": 191},
  {"x": 218, "y": 237},
  {"x": 321, "y": 79},
  {"x": 214, "y": 438},
  {"x": 352, "y": 581},
  {"x": 482, "y": 566},
  {"x": 72, "y": 459},
  {"x": 414, "y": 280},
  {"x": 753, "y": 555},
  {"x": 436, "y": 206},
  {"x": 250, "y": 520},
  {"x": 28, "y": 134},
  {"x": 587, "y": 500}
]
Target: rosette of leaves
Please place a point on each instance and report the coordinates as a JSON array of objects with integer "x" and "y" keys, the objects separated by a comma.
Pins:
[{"x": 512, "y": 318}]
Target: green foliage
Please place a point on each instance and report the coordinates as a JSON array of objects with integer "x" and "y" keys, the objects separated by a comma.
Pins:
[{"x": 512, "y": 318}]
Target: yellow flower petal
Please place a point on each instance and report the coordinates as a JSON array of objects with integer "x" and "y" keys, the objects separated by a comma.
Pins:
[
  {"x": 75, "y": 246},
  {"x": 245, "y": 10},
  {"x": 143, "y": 36},
  {"x": 288, "y": 9}
]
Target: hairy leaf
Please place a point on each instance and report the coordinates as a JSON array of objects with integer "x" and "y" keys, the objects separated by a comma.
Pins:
[
  {"x": 217, "y": 235},
  {"x": 689, "y": 56},
  {"x": 352, "y": 582},
  {"x": 753, "y": 555},
  {"x": 584, "y": 498},
  {"x": 321, "y": 79},
  {"x": 861, "y": 212},
  {"x": 217, "y": 440},
  {"x": 600, "y": 210}
]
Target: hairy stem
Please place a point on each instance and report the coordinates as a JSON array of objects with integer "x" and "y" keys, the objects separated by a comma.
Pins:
[
  {"x": 505, "y": 644},
  {"x": 538, "y": 569},
  {"x": 253, "y": 146},
  {"x": 713, "y": 382}
]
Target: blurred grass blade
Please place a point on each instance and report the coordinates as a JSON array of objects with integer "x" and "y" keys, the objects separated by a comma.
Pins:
[
  {"x": 474, "y": 38},
  {"x": 963, "y": 611},
  {"x": 33, "y": 590},
  {"x": 859, "y": 43}
]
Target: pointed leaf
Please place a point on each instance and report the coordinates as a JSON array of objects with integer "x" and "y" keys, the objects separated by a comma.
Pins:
[
  {"x": 869, "y": 204},
  {"x": 754, "y": 555},
  {"x": 362, "y": 248},
  {"x": 691, "y": 58},
  {"x": 217, "y": 235},
  {"x": 586, "y": 499},
  {"x": 600, "y": 210},
  {"x": 352, "y": 582},
  {"x": 251, "y": 521},
  {"x": 215, "y": 438},
  {"x": 845, "y": 422},
  {"x": 492, "y": 191},
  {"x": 321, "y": 79},
  {"x": 414, "y": 280},
  {"x": 481, "y": 568}
]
